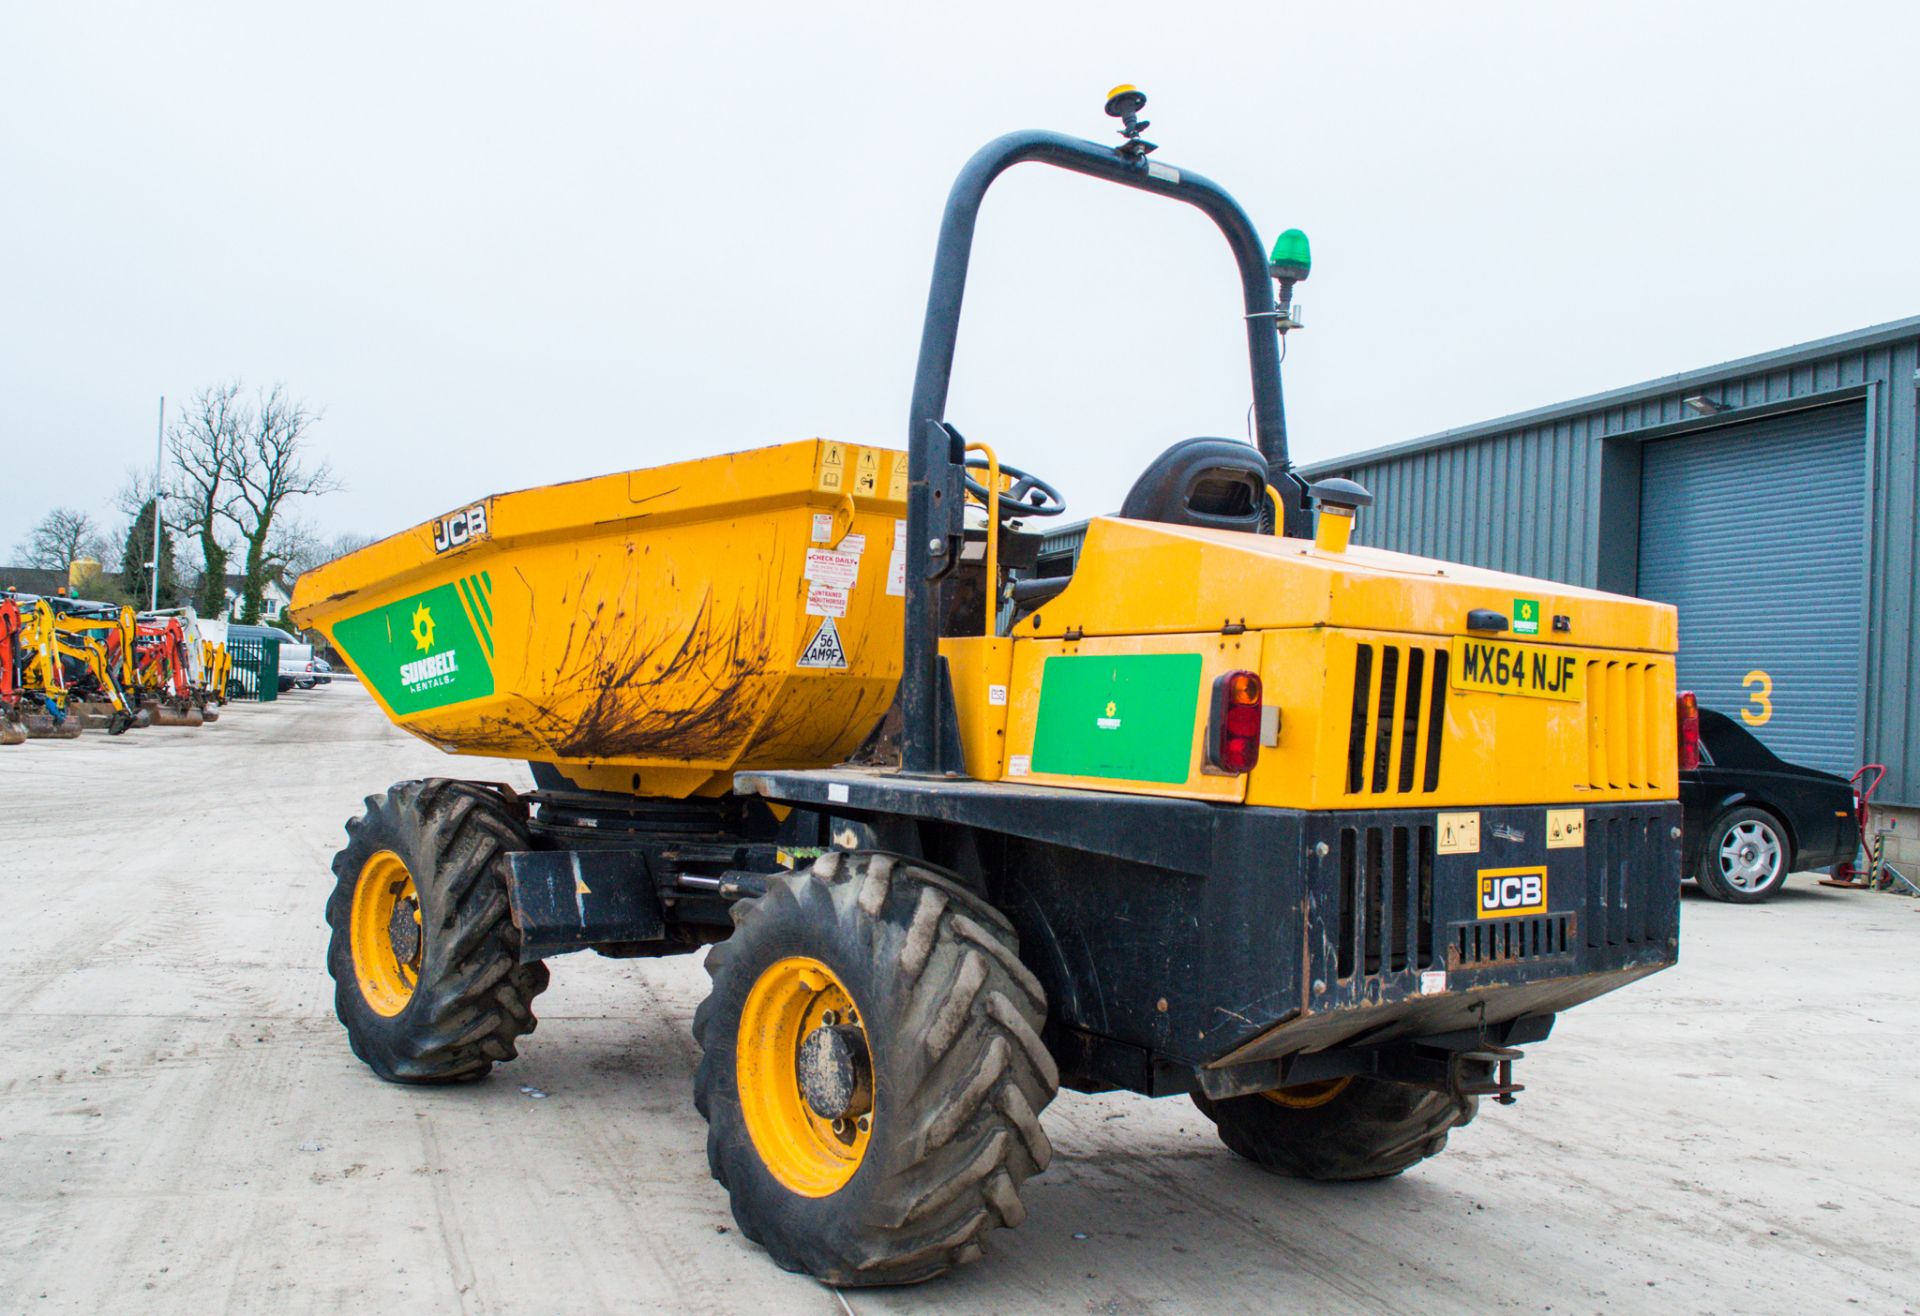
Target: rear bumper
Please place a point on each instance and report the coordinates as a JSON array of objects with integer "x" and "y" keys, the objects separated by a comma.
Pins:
[
  {"x": 1398, "y": 944},
  {"x": 1177, "y": 939}
]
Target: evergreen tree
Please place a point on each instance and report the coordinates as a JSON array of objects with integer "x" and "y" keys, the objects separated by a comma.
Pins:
[{"x": 139, "y": 551}]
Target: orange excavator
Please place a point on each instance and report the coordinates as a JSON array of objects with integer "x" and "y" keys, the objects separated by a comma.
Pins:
[
  {"x": 163, "y": 669},
  {"x": 12, "y": 729}
]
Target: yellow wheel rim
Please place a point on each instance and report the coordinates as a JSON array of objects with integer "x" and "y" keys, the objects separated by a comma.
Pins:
[
  {"x": 384, "y": 899},
  {"x": 1305, "y": 1096},
  {"x": 804, "y": 1151}
]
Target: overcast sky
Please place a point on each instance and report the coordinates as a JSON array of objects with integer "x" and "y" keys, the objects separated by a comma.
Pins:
[{"x": 509, "y": 245}]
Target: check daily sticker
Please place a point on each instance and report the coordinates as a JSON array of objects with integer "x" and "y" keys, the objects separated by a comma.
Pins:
[{"x": 827, "y": 566}]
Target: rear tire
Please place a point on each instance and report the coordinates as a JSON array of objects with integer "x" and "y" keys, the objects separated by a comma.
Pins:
[
  {"x": 455, "y": 1004},
  {"x": 950, "y": 1026},
  {"x": 1746, "y": 858},
  {"x": 1355, "y": 1128}
]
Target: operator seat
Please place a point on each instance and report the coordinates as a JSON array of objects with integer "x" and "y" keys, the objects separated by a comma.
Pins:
[{"x": 1219, "y": 484}]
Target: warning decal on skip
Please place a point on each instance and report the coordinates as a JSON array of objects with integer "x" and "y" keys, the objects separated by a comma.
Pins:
[{"x": 824, "y": 649}]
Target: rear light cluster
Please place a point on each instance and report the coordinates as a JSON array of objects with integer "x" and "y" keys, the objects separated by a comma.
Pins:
[
  {"x": 1689, "y": 723},
  {"x": 1233, "y": 730}
]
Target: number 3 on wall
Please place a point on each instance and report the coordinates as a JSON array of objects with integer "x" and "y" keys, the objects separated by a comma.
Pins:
[{"x": 1761, "y": 699}]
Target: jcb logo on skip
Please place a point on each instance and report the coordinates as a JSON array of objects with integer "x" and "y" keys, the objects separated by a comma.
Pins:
[{"x": 461, "y": 527}]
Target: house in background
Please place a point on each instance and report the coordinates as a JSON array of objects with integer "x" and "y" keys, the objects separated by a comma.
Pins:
[
  {"x": 45, "y": 581},
  {"x": 273, "y": 600},
  {"x": 111, "y": 585}
]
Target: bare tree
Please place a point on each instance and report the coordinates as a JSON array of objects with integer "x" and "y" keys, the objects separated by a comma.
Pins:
[
  {"x": 267, "y": 469},
  {"x": 205, "y": 443},
  {"x": 63, "y": 537},
  {"x": 294, "y": 547},
  {"x": 136, "y": 486},
  {"x": 299, "y": 549}
]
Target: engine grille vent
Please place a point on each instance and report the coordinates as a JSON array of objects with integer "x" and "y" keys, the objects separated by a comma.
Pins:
[
  {"x": 1386, "y": 900},
  {"x": 1622, "y": 882},
  {"x": 1500, "y": 941},
  {"x": 1399, "y": 719},
  {"x": 1621, "y": 716}
]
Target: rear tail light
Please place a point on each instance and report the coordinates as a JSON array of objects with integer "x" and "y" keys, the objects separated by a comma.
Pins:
[
  {"x": 1689, "y": 720},
  {"x": 1233, "y": 730}
]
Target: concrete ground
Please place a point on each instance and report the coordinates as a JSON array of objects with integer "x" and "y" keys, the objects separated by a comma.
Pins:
[{"x": 182, "y": 1127}]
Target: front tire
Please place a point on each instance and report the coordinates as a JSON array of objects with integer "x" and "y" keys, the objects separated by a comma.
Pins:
[
  {"x": 1344, "y": 1128},
  {"x": 424, "y": 953},
  {"x": 895, "y": 978},
  {"x": 1746, "y": 858}
]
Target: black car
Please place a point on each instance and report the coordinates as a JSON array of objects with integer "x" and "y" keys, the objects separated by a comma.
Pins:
[{"x": 1752, "y": 817}]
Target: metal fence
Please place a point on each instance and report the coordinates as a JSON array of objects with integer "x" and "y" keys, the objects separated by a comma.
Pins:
[{"x": 256, "y": 669}]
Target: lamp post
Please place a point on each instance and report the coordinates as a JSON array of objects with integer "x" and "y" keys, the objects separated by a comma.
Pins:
[{"x": 153, "y": 567}]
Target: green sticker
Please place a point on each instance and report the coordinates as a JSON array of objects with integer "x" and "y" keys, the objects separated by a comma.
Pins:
[
  {"x": 1127, "y": 718},
  {"x": 1526, "y": 616},
  {"x": 423, "y": 651}
]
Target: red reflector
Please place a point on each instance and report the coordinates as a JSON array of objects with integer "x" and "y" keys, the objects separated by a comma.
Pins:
[
  {"x": 1688, "y": 709},
  {"x": 1233, "y": 729},
  {"x": 1238, "y": 754}
]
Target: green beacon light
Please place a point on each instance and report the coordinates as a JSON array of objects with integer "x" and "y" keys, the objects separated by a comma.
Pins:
[
  {"x": 1292, "y": 258},
  {"x": 1290, "y": 262}
]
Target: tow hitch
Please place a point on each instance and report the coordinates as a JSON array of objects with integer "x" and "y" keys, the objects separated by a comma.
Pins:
[{"x": 1485, "y": 1071}]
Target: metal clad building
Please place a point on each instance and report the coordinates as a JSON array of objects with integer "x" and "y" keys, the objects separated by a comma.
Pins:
[
  {"x": 1772, "y": 499},
  {"x": 1768, "y": 594}
]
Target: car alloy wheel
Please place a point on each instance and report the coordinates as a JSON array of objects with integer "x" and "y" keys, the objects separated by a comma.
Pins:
[{"x": 1750, "y": 856}]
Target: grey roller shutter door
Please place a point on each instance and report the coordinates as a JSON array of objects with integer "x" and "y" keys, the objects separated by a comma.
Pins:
[{"x": 1755, "y": 532}]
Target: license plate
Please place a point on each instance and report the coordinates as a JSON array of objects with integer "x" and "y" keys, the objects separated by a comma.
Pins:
[{"x": 1501, "y": 667}]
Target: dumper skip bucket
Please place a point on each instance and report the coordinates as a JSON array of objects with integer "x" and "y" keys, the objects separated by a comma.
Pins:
[{"x": 649, "y": 631}]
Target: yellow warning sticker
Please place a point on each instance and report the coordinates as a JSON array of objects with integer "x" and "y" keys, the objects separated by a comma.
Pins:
[
  {"x": 1566, "y": 829},
  {"x": 833, "y": 467},
  {"x": 1459, "y": 833},
  {"x": 897, "y": 482},
  {"x": 866, "y": 472}
]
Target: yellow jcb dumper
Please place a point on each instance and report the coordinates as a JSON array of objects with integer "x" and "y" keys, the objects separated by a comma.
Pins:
[{"x": 1315, "y": 834}]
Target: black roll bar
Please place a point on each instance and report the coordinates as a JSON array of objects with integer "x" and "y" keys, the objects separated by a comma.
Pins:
[{"x": 935, "y": 503}]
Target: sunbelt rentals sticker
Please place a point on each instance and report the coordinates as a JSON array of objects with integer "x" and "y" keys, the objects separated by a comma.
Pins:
[
  {"x": 1526, "y": 616},
  {"x": 426, "y": 650}
]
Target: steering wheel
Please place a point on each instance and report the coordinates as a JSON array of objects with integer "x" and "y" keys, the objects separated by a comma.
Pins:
[{"x": 1029, "y": 495}]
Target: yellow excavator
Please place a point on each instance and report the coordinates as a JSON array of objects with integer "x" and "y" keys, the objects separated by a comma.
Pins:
[
  {"x": 96, "y": 643},
  {"x": 1227, "y": 806},
  {"x": 46, "y": 709},
  {"x": 214, "y": 670}
]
